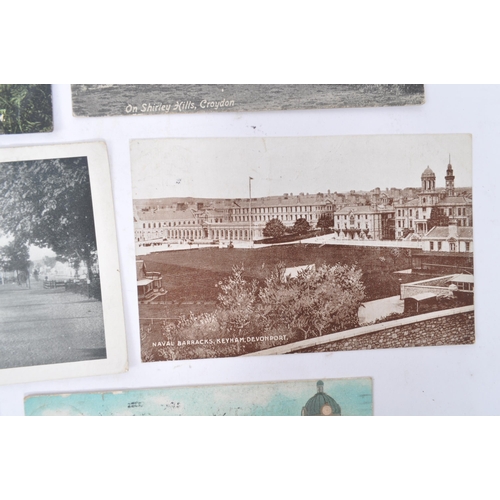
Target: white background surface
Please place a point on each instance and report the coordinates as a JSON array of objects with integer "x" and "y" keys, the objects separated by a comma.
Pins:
[{"x": 461, "y": 380}]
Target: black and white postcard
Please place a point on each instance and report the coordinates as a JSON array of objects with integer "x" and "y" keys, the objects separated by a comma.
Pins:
[
  {"x": 61, "y": 311},
  {"x": 142, "y": 99},
  {"x": 264, "y": 246},
  {"x": 25, "y": 108}
]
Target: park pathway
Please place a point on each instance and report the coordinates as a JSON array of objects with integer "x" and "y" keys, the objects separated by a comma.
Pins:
[
  {"x": 375, "y": 310},
  {"x": 40, "y": 327}
]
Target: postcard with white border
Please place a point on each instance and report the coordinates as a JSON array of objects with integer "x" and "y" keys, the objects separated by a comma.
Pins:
[
  {"x": 61, "y": 308},
  {"x": 314, "y": 398},
  {"x": 134, "y": 99},
  {"x": 260, "y": 246}
]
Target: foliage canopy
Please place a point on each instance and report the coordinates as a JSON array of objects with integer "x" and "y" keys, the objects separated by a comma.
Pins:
[
  {"x": 301, "y": 226},
  {"x": 25, "y": 108},
  {"x": 15, "y": 256},
  {"x": 274, "y": 229},
  {"x": 325, "y": 222},
  {"x": 48, "y": 203},
  {"x": 319, "y": 301}
]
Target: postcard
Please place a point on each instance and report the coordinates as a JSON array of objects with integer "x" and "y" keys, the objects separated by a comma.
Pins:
[
  {"x": 61, "y": 310},
  {"x": 25, "y": 108},
  {"x": 328, "y": 398},
  {"x": 249, "y": 246},
  {"x": 141, "y": 99}
]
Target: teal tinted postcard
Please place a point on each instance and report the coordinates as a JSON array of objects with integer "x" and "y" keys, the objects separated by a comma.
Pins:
[{"x": 342, "y": 397}]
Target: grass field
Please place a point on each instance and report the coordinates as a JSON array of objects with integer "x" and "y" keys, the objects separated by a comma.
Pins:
[{"x": 191, "y": 275}]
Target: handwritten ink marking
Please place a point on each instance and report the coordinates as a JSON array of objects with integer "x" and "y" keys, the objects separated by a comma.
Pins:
[{"x": 135, "y": 405}]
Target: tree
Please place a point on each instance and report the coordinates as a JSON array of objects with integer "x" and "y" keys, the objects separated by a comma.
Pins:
[
  {"x": 301, "y": 226},
  {"x": 325, "y": 222},
  {"x": 15, "y": 256},
  {"x": 317, "y": 302},
  {"x": 437, "y": 218},
  {"x": 25, "y": 108},
  {"x": 274, "y": 229},
  {"x": 48, "y": 203}
]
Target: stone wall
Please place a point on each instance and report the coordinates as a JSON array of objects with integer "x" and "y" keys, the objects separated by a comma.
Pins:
[
  {"x": 408, "y": 291},
  {"x": 448, "y": 330},
  {"x": 438, "y": 286},
  {"x": 447, "y": 327}
]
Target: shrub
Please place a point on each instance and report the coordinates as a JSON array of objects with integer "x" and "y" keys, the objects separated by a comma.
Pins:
[{"x": 315, "y": 303}]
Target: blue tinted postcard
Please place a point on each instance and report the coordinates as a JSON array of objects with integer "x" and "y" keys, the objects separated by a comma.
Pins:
[{"x": 342, "y": 397}]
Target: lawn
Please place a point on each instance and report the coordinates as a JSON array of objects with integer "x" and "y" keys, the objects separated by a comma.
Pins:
[{"x": 191, "y": 275}]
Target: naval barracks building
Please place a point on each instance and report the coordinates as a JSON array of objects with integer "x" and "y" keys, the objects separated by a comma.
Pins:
[{"x": 225, "y": 220}]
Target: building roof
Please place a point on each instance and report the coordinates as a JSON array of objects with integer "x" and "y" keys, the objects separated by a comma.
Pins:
[
  {"x": 462, "y": 278},
  {"x": 321, "y": 404},
  {"x": 411, "y": 203},
  {"x": 421, "y": 297},
  {"x": 144, "y": 282},
  {"x": 454, "y": 200},
  {"x": 463, "y": 233},
  {"x": 364, "y": 209},
  {"x": 428, "y": 173},
  {"x": 459, "y": 201},
  {"x": 163, "y": 215}
]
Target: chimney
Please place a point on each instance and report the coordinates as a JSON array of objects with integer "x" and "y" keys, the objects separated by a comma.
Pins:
[{"x": 453, "y": 229}]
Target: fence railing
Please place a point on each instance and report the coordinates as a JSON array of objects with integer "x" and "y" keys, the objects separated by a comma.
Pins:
[{"x": 91, "y": 290}]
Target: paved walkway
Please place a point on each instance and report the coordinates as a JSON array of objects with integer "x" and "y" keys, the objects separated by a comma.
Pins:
[
  {"x": 39, "y": 327},
  {"x": 329, "y": 239},
  {"x": 370, "y": 312}
]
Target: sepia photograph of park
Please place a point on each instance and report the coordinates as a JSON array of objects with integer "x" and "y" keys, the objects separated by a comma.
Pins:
[
  {"x": 266, "y": 246},
  {"x": 51, "y": 299},
  {"x": 146, "y": 99}
]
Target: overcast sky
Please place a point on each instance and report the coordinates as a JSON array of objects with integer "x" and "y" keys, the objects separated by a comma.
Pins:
[{"x": 220, "y": 168}]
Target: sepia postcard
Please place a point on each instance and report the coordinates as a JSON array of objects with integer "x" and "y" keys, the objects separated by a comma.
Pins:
[
  {"x": 328, "y": 398},
  {"x": 260, "y": 246},
  {"x": 25, "y": 108},
  {"x": 142, "y": 99},
  {"x": 61, "y": 311}
]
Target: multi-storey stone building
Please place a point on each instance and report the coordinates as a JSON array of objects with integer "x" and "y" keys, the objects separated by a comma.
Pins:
[
  {"x": 225, "y": 220},
  {"x": 365, "y": 222},
  {"x": 357, "y": 215},
  {"x": 412, "y": 216}
]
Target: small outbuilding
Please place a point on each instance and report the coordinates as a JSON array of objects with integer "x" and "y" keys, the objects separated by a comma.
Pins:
[{"x": 420, "y": 303}]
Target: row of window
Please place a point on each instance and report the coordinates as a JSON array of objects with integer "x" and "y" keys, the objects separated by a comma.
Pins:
[
  {"x": 154, "y": 225},
  {"x": 280, "y": 210},
  {"x": 461, "y": 212},
  {"x": 453, "y": 246},
  {"x": 358, "y": 226},
  {"x": 338, "y": 217}
]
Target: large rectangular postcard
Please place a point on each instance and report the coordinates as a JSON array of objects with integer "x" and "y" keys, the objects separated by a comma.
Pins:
[
  {"x": 264, "y": 246},
  {"x": 328, "y": 398},
  {"x": 61, "y": 310},
  {"x": 25, "y": 108},
  {"x": 142, "y": 99}
]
